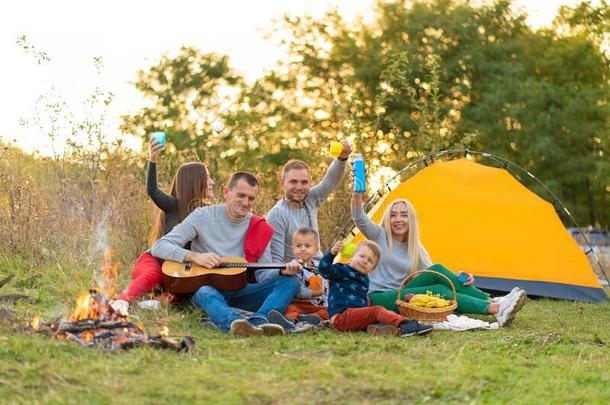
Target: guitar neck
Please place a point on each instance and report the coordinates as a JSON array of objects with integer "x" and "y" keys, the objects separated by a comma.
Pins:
[{"x": 258, "y": 266}]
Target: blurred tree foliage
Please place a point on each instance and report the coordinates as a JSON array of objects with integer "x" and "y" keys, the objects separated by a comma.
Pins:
[{"x": 423, "y": 76}]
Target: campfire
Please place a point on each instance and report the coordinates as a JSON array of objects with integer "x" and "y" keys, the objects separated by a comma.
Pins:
[{"x": 94, "y": 323}]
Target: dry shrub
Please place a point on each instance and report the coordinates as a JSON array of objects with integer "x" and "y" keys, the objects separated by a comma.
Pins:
[{"x": 52, "y": 209}]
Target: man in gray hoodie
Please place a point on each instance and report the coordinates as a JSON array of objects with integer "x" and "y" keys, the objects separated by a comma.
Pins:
[
  {"x": 219, "y": 231},
  {"x": 301, "y": 202}
]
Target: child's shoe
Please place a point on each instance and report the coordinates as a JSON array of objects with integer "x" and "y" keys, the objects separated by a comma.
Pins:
[
  {"x": 411, "y": 327},
  {"x": 279, "y": 319},
  {"x": 381, "y": 329},
  {"x": 301, "y": 327},
  {"x": 309, "y": 318}
]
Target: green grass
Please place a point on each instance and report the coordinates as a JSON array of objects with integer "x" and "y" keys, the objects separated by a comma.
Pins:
[{"x": 556, "y": 351}]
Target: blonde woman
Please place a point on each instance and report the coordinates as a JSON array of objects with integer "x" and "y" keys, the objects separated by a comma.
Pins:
[{"x": 403, "y": 253}]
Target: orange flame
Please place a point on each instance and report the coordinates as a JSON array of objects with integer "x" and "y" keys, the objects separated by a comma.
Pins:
[
  {"x": 110, "y": 274},
  {"x": 93, "y": 304},
  {"x": 164, "y": 331},
  {"x": 36, "y": 323},
  {"x": 83, "y": 309}
]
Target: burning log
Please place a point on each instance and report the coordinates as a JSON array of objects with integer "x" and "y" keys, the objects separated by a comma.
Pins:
[
  {"x": 94, "y": 323},
  {"x": 91, "y": 324},
  {"x": 109, "y": 335}
]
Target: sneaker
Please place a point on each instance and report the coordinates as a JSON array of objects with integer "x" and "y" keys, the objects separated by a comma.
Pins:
[
  {"x": 278, "y": 318},
  {"x": 507, "y": 296},
  {"x": 272, "y": 329},
  {"x": 381, "y": 329},
  {"x": 119, "y": 306},
  {"x": 411, "y": 327},
  {"x": 521, "y": 297},
  {"x": 241, "y": 327},
  {"x": 327, "y": 324},
  {"x": 506, "y": 311},
  {"x": 269, "y": 329},
  {"x": 309, "y": 318},
  {"x": 301, "y": 327},
  {"x": 149, "y": 304}
]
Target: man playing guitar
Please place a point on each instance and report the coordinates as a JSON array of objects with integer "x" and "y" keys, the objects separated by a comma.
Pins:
[{"x": 232, "y": 230}]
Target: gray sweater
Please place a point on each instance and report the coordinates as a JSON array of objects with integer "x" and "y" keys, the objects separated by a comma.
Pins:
[
  {"x": 393, "y": 266},
  {"x": 210, "y": 230},
  {"x": 285, "y": 220}
]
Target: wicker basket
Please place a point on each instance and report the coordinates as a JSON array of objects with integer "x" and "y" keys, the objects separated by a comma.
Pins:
[{"x": 422, "y": 313}]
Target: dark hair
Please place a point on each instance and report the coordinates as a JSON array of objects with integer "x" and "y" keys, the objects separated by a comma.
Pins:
[
  {"x": 305, "y": 231},
  {"x": 190, "y": 187},
  {"x": 237, "y": 176},
  {"x": 295, "y": 164}
]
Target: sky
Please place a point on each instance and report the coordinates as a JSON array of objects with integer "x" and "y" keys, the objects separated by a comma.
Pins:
[{"x": 132, "y": 35}]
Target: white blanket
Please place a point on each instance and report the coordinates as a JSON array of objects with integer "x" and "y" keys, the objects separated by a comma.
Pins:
[{"x": 457, "y": 323}]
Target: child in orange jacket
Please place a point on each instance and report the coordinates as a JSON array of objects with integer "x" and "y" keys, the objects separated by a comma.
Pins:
[{"x": 309, "y": 303}]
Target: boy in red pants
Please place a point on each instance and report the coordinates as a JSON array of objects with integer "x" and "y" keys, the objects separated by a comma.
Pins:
[{"x": 348, "y": 302}]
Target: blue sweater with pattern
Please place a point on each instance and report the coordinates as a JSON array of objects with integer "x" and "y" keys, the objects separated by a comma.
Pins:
[{"x": 348, "y": 288}]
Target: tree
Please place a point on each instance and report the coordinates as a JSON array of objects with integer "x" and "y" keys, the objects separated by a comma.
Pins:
[{"x": 427, "y": 75}]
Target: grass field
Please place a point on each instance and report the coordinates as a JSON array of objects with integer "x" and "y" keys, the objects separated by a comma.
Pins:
[{"x": 555, "y": 352}]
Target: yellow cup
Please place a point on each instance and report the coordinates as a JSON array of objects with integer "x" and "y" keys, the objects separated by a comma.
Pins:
[
  {"x": 348, "y": 250},
  {"x": 335, "y": 149}
]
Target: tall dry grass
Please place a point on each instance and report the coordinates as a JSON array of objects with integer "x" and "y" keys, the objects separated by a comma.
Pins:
[{"x": 54, "y": 209}]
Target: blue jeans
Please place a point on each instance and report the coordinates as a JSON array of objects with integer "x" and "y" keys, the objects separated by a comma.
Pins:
[{"x": 259, "y": 298}]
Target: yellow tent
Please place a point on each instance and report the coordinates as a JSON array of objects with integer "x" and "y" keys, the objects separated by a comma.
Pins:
[{"x": 481, "y": 220}]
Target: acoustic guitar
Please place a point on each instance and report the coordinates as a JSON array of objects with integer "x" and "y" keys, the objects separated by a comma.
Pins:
[{"x": 232, "y": 274}]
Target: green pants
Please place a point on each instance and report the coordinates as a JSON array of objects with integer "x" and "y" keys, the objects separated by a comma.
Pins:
[{"x": 470, "y": 299}]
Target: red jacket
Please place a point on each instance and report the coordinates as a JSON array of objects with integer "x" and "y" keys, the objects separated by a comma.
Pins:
[{"x": 258, "y": 237}]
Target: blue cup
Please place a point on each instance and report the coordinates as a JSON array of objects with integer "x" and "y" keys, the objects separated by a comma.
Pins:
[
  {"x": 462, "y": 277},
  {"x": 159, "y": 137}
]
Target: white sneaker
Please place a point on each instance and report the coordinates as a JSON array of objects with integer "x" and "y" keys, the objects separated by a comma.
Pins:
[
  {"x": 119, "y": 306},
  {"x": 509, "y": 295},
  {"x": 149, "y": 304},
  {"x": 506, "y": 311},
  {"x": 520, "y": 297}
]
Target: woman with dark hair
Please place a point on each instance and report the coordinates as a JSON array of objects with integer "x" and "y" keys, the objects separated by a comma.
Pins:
[{"x": 191, "y": 186}]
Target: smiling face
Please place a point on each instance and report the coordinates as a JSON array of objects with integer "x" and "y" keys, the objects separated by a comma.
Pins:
[
  {"x": 296, "y": 184},
  {"x": 304, "y": 246},
  {"x": 364, "y": 260},
  {"x": 239, "y": 199},
  {"x": 399, "y": 221}
]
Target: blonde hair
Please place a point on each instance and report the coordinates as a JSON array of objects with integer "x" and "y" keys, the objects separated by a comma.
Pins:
[
  {"x": 414, "y": 246},
  {"x": 373, "y": 246}
]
